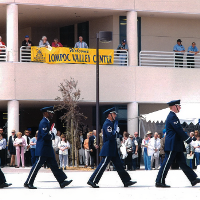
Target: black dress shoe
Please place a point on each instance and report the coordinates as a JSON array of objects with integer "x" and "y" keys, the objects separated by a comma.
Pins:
[
  {"x": 3, "y": 185},
  {"x": 92, "y": 184},
  {"x": 25, "y": 184},
  {"x": 129, "y": 183},
  {"x": 163, "y": 185},
  {"x": 65, "y": 183},
  {"x": 30, "y": 186},
  {"x": 197, "y": 180}
]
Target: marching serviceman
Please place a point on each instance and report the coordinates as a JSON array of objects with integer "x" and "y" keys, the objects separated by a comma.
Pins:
[
  {"x": 174, "y": 147},
  {"x": 3, "y": 183},
  {"x": 44, "y": 151},
  {"x": 109, "y": 152}
]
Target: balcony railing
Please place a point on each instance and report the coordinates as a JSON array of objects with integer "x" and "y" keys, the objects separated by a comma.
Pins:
[
  {"x": 3, "y": 53},
  {"x": 25, "y": 54},
  {"x": 168, "y": 59},
  {"x": 120, "y": 57}
]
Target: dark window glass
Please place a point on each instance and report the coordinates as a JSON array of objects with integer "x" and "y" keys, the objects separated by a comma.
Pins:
[
  {"x": 67, "y": 36},
  {"x": 83, "y": 30}
]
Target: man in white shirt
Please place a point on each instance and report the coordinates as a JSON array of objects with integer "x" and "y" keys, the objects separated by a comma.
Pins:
[
  {"x": 153, "y": 150},
  {"x": 81, "y": 43}
]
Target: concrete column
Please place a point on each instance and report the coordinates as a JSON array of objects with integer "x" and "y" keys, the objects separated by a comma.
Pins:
[
  {"x": 12, "y": 32},
  {"x": 132, "y": 120},
  {"x": 13, "y": 116},
  {"x": 132, "y": 38}
]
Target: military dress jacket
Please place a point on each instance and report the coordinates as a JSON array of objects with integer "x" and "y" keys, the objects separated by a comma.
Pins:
[
  {"x": 44, "y": 139},
  {"x": 109, "y": 147},
  {"x": 175, "y": 134}
]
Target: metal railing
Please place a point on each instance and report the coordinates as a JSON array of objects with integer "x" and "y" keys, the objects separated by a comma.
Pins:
[
  {"x": 169, "y": 59},
  {"x": 3, "y": 53},
  {"x": 120, "y": 56},
  {"x": 25, "y": 54}
]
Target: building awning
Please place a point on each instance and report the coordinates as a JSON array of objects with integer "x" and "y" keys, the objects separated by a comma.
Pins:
[{"x": 189, "y": 113}]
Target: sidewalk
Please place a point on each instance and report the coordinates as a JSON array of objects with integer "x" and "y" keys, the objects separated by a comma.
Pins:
[{"x": 111, "y": 186}]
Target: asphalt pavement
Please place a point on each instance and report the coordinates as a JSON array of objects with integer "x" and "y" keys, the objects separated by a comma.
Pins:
[{"x": 110, "y": 184}]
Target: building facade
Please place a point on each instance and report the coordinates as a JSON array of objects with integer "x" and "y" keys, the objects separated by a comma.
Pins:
[{"x": 149, "y": 25}]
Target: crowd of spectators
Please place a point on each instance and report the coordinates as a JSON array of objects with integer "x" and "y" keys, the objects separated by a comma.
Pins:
[
  {"x": 193, "y": 150},
  {"x": 130, "y": 147}
]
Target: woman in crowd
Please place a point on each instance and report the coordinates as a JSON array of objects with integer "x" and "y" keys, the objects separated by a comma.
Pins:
[
  {"x": 87, "y": 150},
  {"x": 196, "y": 145},
  {"x": 32, "y": 148},
  {"x": 11, "y": 148},
  {"x": 20, "y": 144},
  {"x": 63, "y": 145},
  {"x": 128, "y": 144},
  {"x": 196, "y": 133},
  {"x": 2, "y": 151},
  {"x": 147, "y": 159}
]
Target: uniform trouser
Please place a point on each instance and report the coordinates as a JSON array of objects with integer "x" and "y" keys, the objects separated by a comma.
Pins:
[
  {"x": 2, "y": 177},
  {"x": 96, "y": 176},
  {"x": 51, "y": 161},
  {"x": 180, "y": 158}
]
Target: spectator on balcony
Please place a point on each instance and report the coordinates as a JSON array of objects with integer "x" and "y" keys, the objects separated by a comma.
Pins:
[
  {"x": 2, "y": 44},
  {"x": 122, "y": 54},
  {"x": 27, "y": 43},
  {"x": 179, "y": 49},
  {"x": 56, "y": 43},
  {"x": 43, "y": 42},
  {"x": 190, "y": 56},
  {"x": 81, "y": 43}
]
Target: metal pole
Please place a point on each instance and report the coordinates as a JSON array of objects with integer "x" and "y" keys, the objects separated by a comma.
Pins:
[{"x": 97, "y": 100}]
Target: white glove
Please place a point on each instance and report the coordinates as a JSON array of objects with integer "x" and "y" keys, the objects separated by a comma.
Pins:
[
  {"x": 118, "y": 129},
  {"x": 54, "y": 131}
]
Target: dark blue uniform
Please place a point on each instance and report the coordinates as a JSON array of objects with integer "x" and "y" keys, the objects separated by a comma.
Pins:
[
  {"x": 174, "y": 149},
  {"x": 2, "y": 177},
  {"x": 109, "y": 153},
  {"x": 44, "y": 152}
]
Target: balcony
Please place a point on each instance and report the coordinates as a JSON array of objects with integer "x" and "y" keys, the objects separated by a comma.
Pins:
[
  {"x": 3, "y": 53},
  {"x": 168, "y": 59},
  {"x": 120, "y": 57}
]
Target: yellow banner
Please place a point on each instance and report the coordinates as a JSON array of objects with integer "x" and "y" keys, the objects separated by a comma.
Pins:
[{"x": 56, "y": 55}]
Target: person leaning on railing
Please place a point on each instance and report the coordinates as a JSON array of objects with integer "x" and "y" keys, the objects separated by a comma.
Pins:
[
  {"x": 27, "y": 43},
  {"x": 122, "y": 56},
  {"x": 190, "y": 56},
  {"x": 56, "y": 43},
  {"x": 179, "y": 49},
  {"x": 2, "y": 44},
  {"x": 43, "y": 42}
]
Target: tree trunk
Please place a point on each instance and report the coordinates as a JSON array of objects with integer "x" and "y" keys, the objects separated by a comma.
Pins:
[{"x": 72, "y": 136}]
